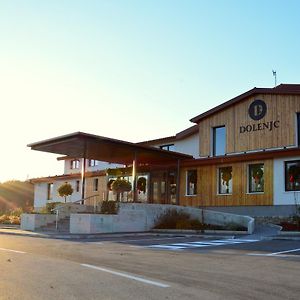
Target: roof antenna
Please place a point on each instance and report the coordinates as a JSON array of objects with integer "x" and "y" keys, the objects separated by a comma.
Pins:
[{"x": 275, "y": 77}]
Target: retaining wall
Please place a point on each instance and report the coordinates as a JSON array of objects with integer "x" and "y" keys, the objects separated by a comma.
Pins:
[{"x": 135, "y": 217}]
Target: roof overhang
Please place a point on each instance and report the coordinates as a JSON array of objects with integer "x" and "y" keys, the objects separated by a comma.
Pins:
[{"x": 83, "y": 145}]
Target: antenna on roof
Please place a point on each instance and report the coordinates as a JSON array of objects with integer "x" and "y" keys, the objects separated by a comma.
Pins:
[{"x": 275, "y": 76}]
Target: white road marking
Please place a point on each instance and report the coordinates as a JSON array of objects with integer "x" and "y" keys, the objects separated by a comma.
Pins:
[
  {"x": 10, "y": 250},
  {"x": 142, "y": 240},
  {"x": 213, "y": 243},
  {"x": 278, "y": 254},
  {"x": 136, "y": 278}
]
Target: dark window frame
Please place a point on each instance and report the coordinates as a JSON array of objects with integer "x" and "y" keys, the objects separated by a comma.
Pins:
[
  {"x": 214, "y": 144},
  {"x": 287, "y": 188},
  {"x": 74, "y": 164},
  {"x": 50, "y": 191},
  {"x": 92, "y": 163},
  {"x": 193, "y": 173},
  {"x": 220, "y": 180},
  {"x": 77, "y": 186},
  {"x": 95, "y": 184},
  {"x": 250, "y": 166},
  {"x": 167, "y": 147}
]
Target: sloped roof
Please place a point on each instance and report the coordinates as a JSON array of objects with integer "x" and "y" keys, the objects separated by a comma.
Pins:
[
  {"x": 282, "y": 89},
  {"x": 91, "y": 146}
]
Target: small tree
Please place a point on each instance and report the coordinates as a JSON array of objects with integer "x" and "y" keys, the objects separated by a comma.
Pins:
[
  {"x": 120, "y": 186},
  {"x": 65, "y": 190}
]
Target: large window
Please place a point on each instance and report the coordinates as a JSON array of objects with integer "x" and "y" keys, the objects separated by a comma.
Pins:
[
  {"x": 191, "y": 182},
  {"x": 256, "y": 178},
  {"x": 75, "y": 164},
  {"x": 219, "y": 141},
  {"x": 292, "y": 175},
  {"x": 49, "y": 191},
  {"x": 225, "y": 180}
]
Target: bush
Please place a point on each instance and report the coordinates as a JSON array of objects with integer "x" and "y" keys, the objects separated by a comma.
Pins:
[
  {"x": 173, "y": 219},
  {"x": 109, "y": 207},
  {"x": 48, "y": 209}
]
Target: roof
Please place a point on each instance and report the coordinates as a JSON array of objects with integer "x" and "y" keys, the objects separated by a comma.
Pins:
[
  {"x": 258, "y": 155},
  {"x": 80, "y": 144},
  {"x": 179, "y": 136},
  {"x": 282, "y": 89}
]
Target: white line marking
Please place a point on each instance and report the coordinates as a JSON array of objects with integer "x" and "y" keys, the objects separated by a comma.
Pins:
[
  {"x": 287, "y": 251},
  {"x": 140, "y": 279},
  {"x": 10, "y": 250},
  {"x": 145, "y": 240}
]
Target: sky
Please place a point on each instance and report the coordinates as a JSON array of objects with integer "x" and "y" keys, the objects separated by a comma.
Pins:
[{"x": 131, "y": 70}]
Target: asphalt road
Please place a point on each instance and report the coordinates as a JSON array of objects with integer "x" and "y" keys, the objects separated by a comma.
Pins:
[{"x": 137, "y": 267}]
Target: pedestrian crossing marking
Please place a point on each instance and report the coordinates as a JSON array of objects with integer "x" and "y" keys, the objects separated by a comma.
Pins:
[{"x": 200, "y": 244}]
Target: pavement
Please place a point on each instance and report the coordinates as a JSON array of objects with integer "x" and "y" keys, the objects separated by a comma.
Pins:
[{"x": 262, "y": 232}]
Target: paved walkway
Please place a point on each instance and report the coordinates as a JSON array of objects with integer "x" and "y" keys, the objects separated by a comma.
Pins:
[{"x": 262, "y": 231}]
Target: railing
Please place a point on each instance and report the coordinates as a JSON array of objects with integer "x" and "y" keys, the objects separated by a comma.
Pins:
[{"x": 58, "y": 209}]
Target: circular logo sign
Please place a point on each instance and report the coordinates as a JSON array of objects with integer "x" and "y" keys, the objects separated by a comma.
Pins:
[{"x": 257, "y": 110}]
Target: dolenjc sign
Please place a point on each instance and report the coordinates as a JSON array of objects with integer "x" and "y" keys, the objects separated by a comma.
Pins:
[{"x": 257, "y": 110}]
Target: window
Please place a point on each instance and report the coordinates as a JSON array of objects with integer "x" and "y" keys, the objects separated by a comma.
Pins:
[
  {"x": 75, "y": 164},
  {"x": 256, "y": 178},
  {"x": 169, "y": 147},
  {"x": 191, "y": 182},
  {"x": 298, "y": 128},
  {"x": 219, "y": 141},
  {"x": 225, "y": 180},
  {"x": 77, "y": 185},
  {"x": 95, "y": 185},
  {"x": 292, "y": 175},
  {"x": 93, "y": 162},
  {"x": 49, "y": 191}
]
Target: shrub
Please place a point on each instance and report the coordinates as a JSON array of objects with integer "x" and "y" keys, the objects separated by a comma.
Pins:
[
  {"x": 65, "y": 190},
  {"x": 109, "y": 207},
  {"x": 48, "y": 209}
]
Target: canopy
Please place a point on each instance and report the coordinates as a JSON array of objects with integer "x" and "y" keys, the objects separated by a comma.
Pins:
[{"x": 83, "y": 145}]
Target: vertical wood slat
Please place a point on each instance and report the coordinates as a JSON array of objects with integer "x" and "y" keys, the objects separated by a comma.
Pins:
[
  {"x": 207, "y": 194},
  {"x": 279, "y": 107}
]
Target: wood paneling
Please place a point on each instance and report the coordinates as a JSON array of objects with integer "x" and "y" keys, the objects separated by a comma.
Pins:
[
  {"x": 207, "y": 186},
  {"x": 280, "y": 108},
  {"x": 102, "y": 187}
]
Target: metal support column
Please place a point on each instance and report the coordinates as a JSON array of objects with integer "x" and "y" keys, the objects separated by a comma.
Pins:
[
  {"x": 83, "y": 170},
  {"x": 134, "y": 164},
  {"x": 178, "y": 182}
]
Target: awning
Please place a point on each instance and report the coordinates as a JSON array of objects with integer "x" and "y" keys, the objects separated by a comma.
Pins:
[{"x": 83, "y": 145}]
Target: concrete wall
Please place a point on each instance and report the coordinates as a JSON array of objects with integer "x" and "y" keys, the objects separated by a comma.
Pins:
[
  {"x": 34, "y": 221},
  {"x": 142, "y": 217},
  {"x": 281, "y": 197}
]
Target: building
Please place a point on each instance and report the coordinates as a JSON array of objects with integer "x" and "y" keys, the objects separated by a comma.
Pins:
[{"x": 243, "y": 153}]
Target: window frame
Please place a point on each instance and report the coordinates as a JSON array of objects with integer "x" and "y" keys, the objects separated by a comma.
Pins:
[
  {"x": 249, "y": 179},
  {"x": 74, "y": 164},
  {"x": 187, "y": 189},
  {"x": 95, "y": 186},
  {"x": 50, "y": 191},
  {"x": 92, "y": 162},
  {"x": 219, "y": 193},
  {"x": 77, "y": 186},
  {"x": 285, "y": 175},
  {"x": 167, "y": 147},
  {"x": 214, "y": 140}
]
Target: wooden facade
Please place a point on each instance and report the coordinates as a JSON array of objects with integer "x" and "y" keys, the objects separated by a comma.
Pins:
[
  {"x": 280, "y": 108},
  {"x": 207, "y": 186}
]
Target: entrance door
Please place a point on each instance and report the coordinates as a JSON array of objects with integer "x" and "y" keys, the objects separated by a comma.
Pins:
[{"x": 158, "y": 188}]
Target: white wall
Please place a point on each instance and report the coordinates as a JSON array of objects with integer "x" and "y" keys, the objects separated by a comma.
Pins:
[
  {"x": 41, "y": 190},
  {"x": 281, "y": 197},
  {"x": 189, "y": 145},
  {"x": 101, "y": 166}
]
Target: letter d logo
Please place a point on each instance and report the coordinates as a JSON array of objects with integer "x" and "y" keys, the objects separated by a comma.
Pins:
[{"x": 257, "y": 110}]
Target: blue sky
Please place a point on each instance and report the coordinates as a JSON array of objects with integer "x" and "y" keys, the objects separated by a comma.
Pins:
[{"x": 133, "y": 70}]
